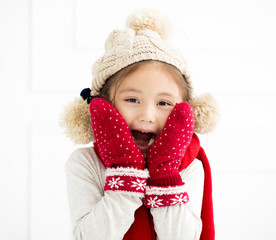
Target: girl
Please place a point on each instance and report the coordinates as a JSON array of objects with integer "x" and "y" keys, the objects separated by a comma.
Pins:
[{"x": 146, "y": 176}]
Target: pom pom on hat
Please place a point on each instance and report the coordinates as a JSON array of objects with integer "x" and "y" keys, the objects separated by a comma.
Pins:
[
  {"x": 150, "y": 19},
  {"x": 206, "y": 113},
  {"x": 76, "y": 121}
]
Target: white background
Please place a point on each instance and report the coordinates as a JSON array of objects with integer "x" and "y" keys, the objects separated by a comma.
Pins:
[{"x": 46, "y": 50}]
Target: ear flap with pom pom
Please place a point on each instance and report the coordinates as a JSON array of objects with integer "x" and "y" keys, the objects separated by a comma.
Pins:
[
  {"x": 206, "y": 113},
  {"x": 76, "y": 121}
]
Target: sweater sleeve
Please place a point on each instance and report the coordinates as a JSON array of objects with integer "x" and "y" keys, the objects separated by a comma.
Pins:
[
  {"x": 96, "y": 214},
  {"x": 183, "y": 221}
]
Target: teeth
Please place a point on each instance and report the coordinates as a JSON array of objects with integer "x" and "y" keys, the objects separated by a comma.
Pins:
[{"x": 150, "y": 141}]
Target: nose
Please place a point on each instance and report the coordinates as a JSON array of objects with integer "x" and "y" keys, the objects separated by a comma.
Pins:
[{"x": 147, "y": 114}]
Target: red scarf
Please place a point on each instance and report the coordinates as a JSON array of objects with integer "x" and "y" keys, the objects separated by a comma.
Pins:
[{"x": 143, "y": 228}]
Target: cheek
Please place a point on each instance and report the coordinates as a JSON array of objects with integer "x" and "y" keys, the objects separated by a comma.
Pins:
[
  {"x": 163, "y": 118},
  {"x": 125, "y": 112}
]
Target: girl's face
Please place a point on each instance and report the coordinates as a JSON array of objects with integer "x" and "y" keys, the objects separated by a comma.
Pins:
[{"x": 145, "y": 98}]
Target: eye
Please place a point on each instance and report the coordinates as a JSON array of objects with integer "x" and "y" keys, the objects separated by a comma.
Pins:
[
  {"x": 132, "y": 100},
  {"x": 163, "y": 103}
]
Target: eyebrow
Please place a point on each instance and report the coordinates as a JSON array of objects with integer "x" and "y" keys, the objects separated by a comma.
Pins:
[
  {"x": 130, "y": 90},
  {"x": 138, "y": 91}
]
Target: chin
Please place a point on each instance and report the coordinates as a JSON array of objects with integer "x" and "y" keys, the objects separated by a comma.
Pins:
[{"x": 145, "y": 153}]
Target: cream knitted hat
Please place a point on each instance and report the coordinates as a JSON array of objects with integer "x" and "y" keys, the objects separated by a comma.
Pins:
[{"x": 144, "y": 38}]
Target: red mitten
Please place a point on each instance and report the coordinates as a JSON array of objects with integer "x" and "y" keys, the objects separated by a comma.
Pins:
[
  {"x": 166, "y": 187},
  {"x": 124, "y": 161}
]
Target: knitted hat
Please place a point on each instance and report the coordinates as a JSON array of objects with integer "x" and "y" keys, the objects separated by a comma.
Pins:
[{"x": 144, "y": 38}]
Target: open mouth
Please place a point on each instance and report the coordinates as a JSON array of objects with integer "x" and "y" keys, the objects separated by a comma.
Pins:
[{"x": 143, "y": 139}]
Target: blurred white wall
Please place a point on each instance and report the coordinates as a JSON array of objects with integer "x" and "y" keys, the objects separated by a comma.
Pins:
[{"x": 46, "y": 51}]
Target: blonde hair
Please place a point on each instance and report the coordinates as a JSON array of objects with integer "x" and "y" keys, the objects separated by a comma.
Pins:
[{"x": 117, "y": 79}]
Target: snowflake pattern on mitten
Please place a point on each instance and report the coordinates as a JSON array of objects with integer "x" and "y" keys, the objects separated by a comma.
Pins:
[
  {"x": 165, "y": 196},
  {"x": 166, "y": 187},
  {"x": 124, "y": 161}
]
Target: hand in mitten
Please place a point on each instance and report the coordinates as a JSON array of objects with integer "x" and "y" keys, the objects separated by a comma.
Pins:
[
  {"x": 165, "y": 155},
  {"x": 124, "y": 161}
]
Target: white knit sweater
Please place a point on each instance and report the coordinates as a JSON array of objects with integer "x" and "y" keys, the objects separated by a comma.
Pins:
[{"x": 108, "y": 215}]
